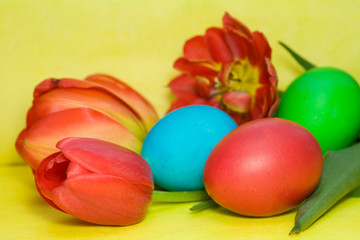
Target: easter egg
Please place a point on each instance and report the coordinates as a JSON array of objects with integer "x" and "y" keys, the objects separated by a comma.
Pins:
[
  {"x": 264, "y": 167},
  {"x": 326, "y": 101},
  {"x": 178, "y": 145}
]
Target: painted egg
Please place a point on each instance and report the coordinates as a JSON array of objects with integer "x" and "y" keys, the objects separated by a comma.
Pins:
[
  {"x": 178, "y": 145},
  {"x": 326, "y": 101},
  {"x": 264, "y": 167}
]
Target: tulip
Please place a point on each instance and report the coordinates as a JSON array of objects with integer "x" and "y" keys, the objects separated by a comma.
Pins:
[
  {"x": 228, "y": 68},
  {"x": 96, "y": 181},
  {"x": 99, "y": 107},
  {"x": 101, "y": 182}
]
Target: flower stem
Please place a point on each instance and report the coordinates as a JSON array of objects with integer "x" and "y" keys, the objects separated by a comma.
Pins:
[
  {"x": 203, "y": 205},
  {"x": 302, "y": 61},
  {"x": 182, "y": 196}
]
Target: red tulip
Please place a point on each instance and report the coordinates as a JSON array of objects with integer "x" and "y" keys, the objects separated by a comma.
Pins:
[
  {"x": 228, "y": 68},
  {"x": 100, "y": 107},
  {"x": 96, "y": 181}
]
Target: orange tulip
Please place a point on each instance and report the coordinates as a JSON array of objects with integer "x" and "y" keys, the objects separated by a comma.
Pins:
[
  {"x": 96, "y": 181},
  {"x": 100, "y": 107}
]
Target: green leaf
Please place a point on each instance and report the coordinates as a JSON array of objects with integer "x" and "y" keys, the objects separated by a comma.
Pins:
[
  {"x": 302, "y": 61},
  {"x": 203, "y": 205},
  {"x": 181, "y": 196},
  {"x": 341, "y": 175}
]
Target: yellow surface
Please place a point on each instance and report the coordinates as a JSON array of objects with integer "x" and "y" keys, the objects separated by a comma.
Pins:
[{"x": 138, "y": 42}]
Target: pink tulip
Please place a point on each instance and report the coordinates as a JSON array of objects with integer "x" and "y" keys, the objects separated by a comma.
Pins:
[
  {"x": 96, "y": 181},
  {"x": 100, "y": 107}
]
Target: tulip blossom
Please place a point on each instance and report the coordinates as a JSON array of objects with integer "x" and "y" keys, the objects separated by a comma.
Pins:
[
  {"x": 99, "y": 107},
  {"x": 101, "y": 182},
  {"x": 228, "y": 68},
  {"x": 96, "y": 181}
]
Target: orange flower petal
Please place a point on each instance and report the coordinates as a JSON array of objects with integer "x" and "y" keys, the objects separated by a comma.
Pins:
[
  {"x": 40, "y": 139},
  {"x": 132, "y": 98},
  {"x": 60, "y": 99}
]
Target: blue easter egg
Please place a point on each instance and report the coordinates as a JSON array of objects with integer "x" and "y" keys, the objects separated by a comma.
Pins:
[{"x": 178, "y": 145}]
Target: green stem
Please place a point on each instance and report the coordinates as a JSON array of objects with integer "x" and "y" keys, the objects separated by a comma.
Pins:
[
  {"x": 302, "y": 61},
  {"x": 182, "y": 196},
  {"x": 203, "y": 205}
]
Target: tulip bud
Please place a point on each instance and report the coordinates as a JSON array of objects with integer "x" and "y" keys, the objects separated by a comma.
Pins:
[
  {"x": 100, "y": 107},
  {"x": 96, "y": 181}
]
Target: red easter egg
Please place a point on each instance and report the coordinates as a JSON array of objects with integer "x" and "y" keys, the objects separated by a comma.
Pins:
[{"x": 264, "y": 167}]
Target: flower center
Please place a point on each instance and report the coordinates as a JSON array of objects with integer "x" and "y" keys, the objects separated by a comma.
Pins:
[{"x": 243, "y": 77}]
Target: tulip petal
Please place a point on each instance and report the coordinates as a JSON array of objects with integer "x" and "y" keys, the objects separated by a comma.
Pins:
[
  {"x": 52, "y": 83},
  {"x": 75, "y": 170},
  {"x": 40, "y": 139},
  {"x": 195, "y": 48},
  {"x": 241, "y": 60},
  {"x": 45, "y": 185},
  {"x": 237, "y": 101},
  {"x": 103, "y": 157},
  {"x": 19, "y": 143},
  {"x": 103, "y": 199},
  {"x": 64, "y": 98},
  {"x": 132, "y": 98},
  {"x": 183, "y": 83},
  {"x": 262, "y": 102},
  {"x": 128, "y": 96},
  {"x": 240, "y": 46},
  {"x": 200, "y": 67},
  {"x": 234, "y": 25},
  {"x": 219, "y": 50},
  {"x": 262, "y": 48},
  {"x": 187, "y": 93}
]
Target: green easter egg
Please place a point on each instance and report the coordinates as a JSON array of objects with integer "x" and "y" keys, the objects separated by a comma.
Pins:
[{"x": 326, "y": 101}]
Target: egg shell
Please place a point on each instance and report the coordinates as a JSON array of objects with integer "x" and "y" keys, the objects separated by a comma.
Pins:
[
  {"x": 326, "y": 101},
  {"x": 264, "y": 167},
  {"x": 178, "y": 145}
]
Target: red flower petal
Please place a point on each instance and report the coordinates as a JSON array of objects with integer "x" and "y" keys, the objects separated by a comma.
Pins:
[
  {"x": 103, "y": 199},
  {"x": 262, "y": 48},
  {"x": 232, "y": 24},
  {"x": 240, "y": 46},
  {"x": 200, "y": 67},
  {"x": 216, "y": 42},
  {"x": 106, "y": 158},
  {"x": 185, "y": 99},
  {"x": 237, "y": 101},
  {"x": 75, "y": 170},
  {"x": 195, "y": 48},
  {"x": 45, "y": 185}
]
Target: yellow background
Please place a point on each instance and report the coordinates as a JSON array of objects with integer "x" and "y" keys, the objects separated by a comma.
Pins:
[{"x": 138, "y": 42}]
